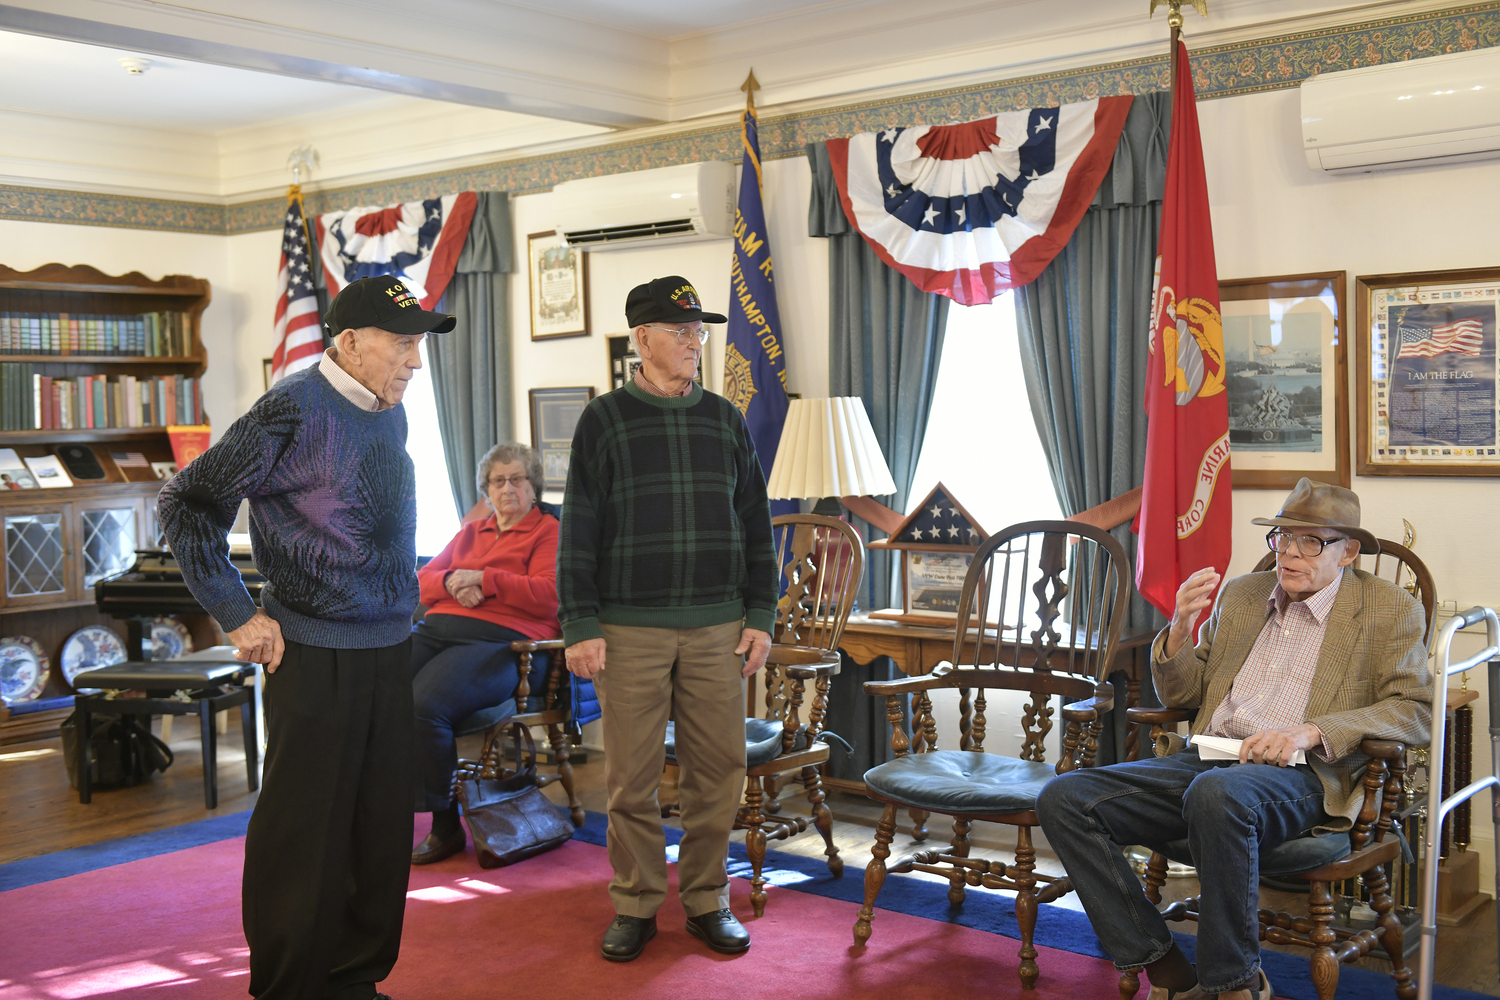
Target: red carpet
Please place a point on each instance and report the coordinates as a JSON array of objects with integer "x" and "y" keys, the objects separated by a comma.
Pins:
[{"x": 169, "y": 927}]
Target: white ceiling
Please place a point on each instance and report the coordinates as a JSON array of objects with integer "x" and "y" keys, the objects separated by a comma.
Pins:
[{"x": 668, "y": 19}]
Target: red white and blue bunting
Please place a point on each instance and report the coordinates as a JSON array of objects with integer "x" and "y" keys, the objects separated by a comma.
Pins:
[
  {"x": 418, "y": 242},
  {"x": 974, "y": 209}
]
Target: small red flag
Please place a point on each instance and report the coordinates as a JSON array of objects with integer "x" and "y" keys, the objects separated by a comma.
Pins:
[{"x": 1184, "y": 523}]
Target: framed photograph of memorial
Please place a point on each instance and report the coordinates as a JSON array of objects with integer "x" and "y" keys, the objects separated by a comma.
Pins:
[
  {"x": 554, "y": 414},
  {"x": 1286, "y": 365},
  {"x": 1426, "y": 373},
  {"x": 559, "y": 283},
  {"x": 622, "y": 359}
]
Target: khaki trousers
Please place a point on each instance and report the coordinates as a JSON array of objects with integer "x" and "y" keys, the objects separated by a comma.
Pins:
[{"x": 692, "y": 676}]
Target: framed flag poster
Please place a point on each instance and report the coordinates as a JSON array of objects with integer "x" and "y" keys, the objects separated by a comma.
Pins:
[
  {"x": 1426, "y": 379},
  {"x": 559, "y": 284},
  {"x": 1286, "y": 373},
  {"x": 554, "y": 415}
]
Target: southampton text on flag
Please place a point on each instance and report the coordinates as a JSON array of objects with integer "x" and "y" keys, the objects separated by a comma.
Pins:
[{"x": 299, "y": 334}]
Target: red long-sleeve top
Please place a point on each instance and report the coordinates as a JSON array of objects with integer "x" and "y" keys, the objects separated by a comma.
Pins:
[{"x": 520, "y": 574}]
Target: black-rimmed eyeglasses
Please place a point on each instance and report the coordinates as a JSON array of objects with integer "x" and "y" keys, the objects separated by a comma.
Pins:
[{"x": 1307, "y": 546}]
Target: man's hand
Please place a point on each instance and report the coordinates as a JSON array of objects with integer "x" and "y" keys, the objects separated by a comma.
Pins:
[
  {"x": 1275, "y": 746},
  {"x": 586, "y": 658},
  {"x": 754, "y": 646},
  {"x": 462, "y": 579},
  {"x": 259, "y": 641},
  {"x": 1193, "y": 598}
]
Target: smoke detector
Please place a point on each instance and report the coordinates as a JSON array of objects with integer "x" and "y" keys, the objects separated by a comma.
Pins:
[{"x": 135, "y": 66}]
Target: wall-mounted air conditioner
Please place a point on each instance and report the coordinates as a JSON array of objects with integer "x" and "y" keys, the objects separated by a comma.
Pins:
[
  {"x": 1442, "y": 109},
  {"x": 695, "y": 201}
]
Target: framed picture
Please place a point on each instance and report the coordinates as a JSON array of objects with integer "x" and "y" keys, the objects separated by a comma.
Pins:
[
  {"x": 554, "y": 414},
  {"x": 1426, "y": 373},
  {"x": 1287, "y": 378},
  {"x": 622, "y": 359},
  {"x": 265, "y": 373},
  {"x": 559, "y": 288}
]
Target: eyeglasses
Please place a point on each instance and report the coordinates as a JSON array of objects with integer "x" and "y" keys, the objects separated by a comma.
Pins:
[
  {"x": 498, "y": 482},
  {"x": 1307, "y": 546},
  {"x": 683, "y": 336}
]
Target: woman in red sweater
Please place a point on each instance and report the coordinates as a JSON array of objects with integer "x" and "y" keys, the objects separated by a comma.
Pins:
[{"x": 494, "y": 583}]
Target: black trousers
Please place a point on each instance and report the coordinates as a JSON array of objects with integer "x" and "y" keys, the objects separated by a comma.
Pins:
[
  {"x": 459, "y": 665},
  {"x": 328, "y": 851}
]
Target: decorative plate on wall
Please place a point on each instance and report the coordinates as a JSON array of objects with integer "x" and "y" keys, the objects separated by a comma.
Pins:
[
  {"x": 169, "y": 638},
  {"x": 90, "y": 648},
  {"x": 24, "y": 668}
]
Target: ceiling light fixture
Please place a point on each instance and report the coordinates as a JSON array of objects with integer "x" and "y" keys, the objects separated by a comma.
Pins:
[{"x": 135, "y": 66}]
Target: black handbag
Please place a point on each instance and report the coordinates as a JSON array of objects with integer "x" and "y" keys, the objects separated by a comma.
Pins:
[
  {"x": 122, "y": 752},
  {"x": 508, "y": 816}
]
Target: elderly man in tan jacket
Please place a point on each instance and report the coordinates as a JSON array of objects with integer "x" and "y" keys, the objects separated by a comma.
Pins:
[{"x": 1313, "y": 657}]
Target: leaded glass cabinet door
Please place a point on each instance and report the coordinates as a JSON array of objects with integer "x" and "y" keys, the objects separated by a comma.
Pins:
[
  {"x": 37, "y": 545},
  {"x": 108, "y": 533}
]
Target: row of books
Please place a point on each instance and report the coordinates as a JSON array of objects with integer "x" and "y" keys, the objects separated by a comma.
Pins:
[
  {"x": 148, "y": 335},
  {"x": 42, "y": 402}
]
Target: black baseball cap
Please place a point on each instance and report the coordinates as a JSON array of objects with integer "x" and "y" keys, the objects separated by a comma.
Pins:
[
  {"x": 672, "y": 299},
  {"x": 382, "y": 301}
]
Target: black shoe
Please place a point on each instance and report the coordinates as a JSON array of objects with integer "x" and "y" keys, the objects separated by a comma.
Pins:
[
  {"x": 720, "y": 931},
  {"x": 434, "y": 848},
  {"x": 627, "y": 937}
]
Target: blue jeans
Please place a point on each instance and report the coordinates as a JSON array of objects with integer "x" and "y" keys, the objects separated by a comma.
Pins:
[
  {"x": 1224, "y": 810},
  {"x": 459, "y": 666}
]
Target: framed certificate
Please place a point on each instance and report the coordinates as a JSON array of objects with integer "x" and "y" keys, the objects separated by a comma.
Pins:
[
  {"x": 559, "y": 283},
  {"x": 554, "y": 415},
  {"x": 1427, "y": 373}
]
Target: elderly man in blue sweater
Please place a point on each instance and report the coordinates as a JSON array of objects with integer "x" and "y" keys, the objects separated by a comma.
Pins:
[{"x": 322, "y": 459}]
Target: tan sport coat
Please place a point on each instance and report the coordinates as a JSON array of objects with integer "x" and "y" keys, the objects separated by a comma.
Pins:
[{"x": 1371, "y": 678}]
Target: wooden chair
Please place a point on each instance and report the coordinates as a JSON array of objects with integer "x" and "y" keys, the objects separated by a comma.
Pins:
[
  {"x": 822, "y": 563},
  {"x": 1025, "y": 579},
  {"x": 1365, "y": 853},
  {"x": 552, "y": 708}
]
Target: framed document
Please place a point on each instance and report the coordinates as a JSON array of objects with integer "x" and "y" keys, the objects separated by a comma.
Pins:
[
  {"x": 1426, "y": 379},
  {"x": 559, "y": 285},
  {"x": 554, "y": 415},
  {"x": 1286, "y": 371}
]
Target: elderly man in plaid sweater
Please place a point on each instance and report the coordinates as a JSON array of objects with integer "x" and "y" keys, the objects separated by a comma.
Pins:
[
  {"x": 666, "y": 580},
  {"x": 1313, "y": 658}
]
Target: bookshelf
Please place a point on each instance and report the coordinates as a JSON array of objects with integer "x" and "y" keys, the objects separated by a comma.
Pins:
[{"x": 55, "y": 544}]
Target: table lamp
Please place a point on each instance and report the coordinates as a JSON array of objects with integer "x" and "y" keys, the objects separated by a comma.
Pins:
[{"x": 828, "y": 450}]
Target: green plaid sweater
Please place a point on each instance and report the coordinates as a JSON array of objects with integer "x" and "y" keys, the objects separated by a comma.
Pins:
[{"x": 665, "y": 520}]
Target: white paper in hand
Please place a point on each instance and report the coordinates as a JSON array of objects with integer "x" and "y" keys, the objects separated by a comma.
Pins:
[{"x": 1228, "y": 748}]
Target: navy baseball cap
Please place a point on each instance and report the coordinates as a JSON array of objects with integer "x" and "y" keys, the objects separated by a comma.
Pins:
[
  {"x": 667, "y": 300},
  {"x": 385, "y": 302}
]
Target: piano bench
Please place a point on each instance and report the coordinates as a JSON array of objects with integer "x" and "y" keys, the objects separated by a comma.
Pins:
[{"x": 204, "y": 676}]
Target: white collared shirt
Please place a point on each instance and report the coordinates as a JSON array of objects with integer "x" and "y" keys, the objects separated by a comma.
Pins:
[{"x": 347, "y": 385}]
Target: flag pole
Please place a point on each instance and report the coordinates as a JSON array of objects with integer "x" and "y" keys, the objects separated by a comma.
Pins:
[
  {"x": 1174, "y": 21},
  {"x": 750, "y": 86}
]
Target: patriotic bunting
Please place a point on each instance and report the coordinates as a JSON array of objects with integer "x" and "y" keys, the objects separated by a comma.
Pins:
[{"x": 419, "y": 242}]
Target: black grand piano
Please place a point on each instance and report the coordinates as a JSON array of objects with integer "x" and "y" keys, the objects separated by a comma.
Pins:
[{"x": 154, "y": 586}]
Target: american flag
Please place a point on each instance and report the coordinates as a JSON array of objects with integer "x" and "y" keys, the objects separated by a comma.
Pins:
[
  {"x": 940, "y": 522},
  {"x": 299, "y": 337},
  {"x": 1465, "y": 336}
]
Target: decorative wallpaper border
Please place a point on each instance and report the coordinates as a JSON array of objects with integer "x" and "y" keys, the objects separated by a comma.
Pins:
[{"x": 1218, "y": 71}]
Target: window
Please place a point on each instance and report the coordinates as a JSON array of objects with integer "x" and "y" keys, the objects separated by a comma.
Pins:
[
  {"x": 981, "y": 441},
  {"x": 437, "y": 519}
]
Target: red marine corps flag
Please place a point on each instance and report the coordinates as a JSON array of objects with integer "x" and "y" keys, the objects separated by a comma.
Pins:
[{"x": 1184, "y": 523}]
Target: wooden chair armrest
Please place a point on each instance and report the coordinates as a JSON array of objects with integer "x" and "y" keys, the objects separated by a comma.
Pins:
[
  {"x": 1383, "y": 749},
  {"x": 906, "y": 685},
  {"x": 1159, "y": 716},
  {"x": 1090, "y": 709},
  {"x": 804, "y": 673},
  {"x": 534, "y": 646}
]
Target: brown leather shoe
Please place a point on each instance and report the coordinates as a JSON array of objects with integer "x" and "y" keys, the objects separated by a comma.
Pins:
[{"x": 435, "y": 848}]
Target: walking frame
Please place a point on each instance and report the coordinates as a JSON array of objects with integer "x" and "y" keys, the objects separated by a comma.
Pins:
[{"x": 1439, "y": 807}]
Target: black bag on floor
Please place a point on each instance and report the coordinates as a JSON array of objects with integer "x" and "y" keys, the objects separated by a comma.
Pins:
[
  {"x": 508, "y": 816},
  {"x": 122, "y": 752}
]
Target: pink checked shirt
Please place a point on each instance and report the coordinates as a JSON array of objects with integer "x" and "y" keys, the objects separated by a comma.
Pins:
[{"x": 1272, "y": 687}]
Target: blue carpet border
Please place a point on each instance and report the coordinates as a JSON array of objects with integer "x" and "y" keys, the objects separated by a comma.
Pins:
[{"x": 991, "y": 912}]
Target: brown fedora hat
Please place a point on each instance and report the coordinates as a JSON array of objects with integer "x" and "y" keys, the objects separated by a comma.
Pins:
[{"x": 1322, "y": 505}]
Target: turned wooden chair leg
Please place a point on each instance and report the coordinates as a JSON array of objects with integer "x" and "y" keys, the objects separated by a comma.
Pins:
[
  {"x": 755, "y": 843},
  {"x": 1130, "y": 984},
  {"x": 559, "y": 741},
  {"x": 885, "y": 832},
  {"x": 1156, "y": 877},
  {"x": 918, "y": 825},
  {"x": 822, "y": 818},
  {"x": 1325, "y": 965},
  {"x": 1025, "y": 905},
  {"x": 1391, "y": 936},
  {"x": 772, "y": 804}
]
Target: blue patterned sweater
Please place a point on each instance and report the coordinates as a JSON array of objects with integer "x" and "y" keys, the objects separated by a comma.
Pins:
[{"x": 332, "y": 517}]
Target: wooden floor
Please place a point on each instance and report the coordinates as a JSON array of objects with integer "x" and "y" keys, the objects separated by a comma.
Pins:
[{"x": 39, "y": 813}]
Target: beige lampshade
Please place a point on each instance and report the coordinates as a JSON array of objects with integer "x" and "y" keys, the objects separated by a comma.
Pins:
[{"x": 828, "y": 449}]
